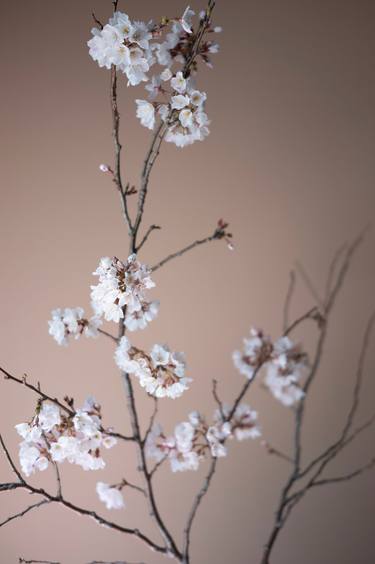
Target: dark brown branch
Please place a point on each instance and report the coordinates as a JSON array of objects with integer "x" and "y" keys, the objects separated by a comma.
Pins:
[
  {"x": 341, "y": 442},
  {"x": 345, "y": 477},
  {"x": 216, "y": 397},
  {"x": 196, "y": 243},
  {"x": 112, "y": 337},
  {"x": 148, "y": 233},
  {"x": 197, "y": 501},
  {"x": 37, "y": 390},
  {"x": 309, "y": 284},
  {"x": 80, "y": 510},
  {"x": 23, "y": 561},
  {"x": 22, "y": 513},
  {"x": 288, "y": 300},
  {"x": 289, "y": 500},
  {"x": 116, "y": 140},
  {"x": 313, "y": 314},
  {"x": 276, "y": 452}
]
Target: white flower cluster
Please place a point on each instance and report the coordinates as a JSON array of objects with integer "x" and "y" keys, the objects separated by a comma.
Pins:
[
  {"x": 284, "y": 363},
  {"x": 111, "y": 496},
  {"x": 256, "y": 351},
  {"x": 177, "y": 44},
  {"x": 126, "y": 45},
  {"x": 285, "y": 370},
  {"x": 123, "y": 284},
  {"x": 55, "y": 436},
  {"x": 184, "y": 113},
  {"x": 194, "y": 439},
  {"x": 71, "y": 321},
  {"x": 161, "y": 373}
]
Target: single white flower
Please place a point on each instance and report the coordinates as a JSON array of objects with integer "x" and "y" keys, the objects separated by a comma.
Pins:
[
  {"x": 110, "y": 496},
  {"x": 178, "y": 83}
]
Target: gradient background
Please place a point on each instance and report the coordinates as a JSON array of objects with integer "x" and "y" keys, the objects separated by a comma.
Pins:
[{"x": 290, "y": 163}]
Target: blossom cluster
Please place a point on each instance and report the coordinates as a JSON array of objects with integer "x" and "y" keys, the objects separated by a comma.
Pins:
[
  {"x": 134, "y": 47},
  {"x": 284, "y": 363},
  {"x": 192, "y": 440},
  {"x": 71, "y": 322},
  {"x": 161, "y": 373},
  {"x": 55, "y": 435},
  {"x": 111, "y": 496},
  {"x": 123, "y": 284},
  {"x": 126, "y": 45}
]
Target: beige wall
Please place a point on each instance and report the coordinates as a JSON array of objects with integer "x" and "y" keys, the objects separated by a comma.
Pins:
[{"x": 290, "y": 163}]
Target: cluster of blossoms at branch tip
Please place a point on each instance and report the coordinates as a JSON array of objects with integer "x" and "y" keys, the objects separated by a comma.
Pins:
[
  {"x": 284, "y": 363},
  {"x": 161, "y": 373},
  {"x": 55, "y": 435},
  {"x": 71, "y": 322},
  {"x": 111, "y": 496},
  {"x": 123, "y": 284},
  {"x": 132, "y": 47},
  {"x": 194, "y": 439}
]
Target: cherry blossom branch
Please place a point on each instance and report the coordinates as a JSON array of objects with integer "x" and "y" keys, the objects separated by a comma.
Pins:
[
  {"x": 148, "y": 233},
  {"x": 288, "y": 499},
  {"x": 161, "y": 130},
  {"x": 346, "y": 477},
  {"x": 197, "y": 501},
  {"x": 116, "y": 140},
  {"x": 214, "y": 237},
  {"x": 22, "y": 513},
  {"x": 37, "y": 390},
  {"x": 112, "y": 337},
  {"x": 276, "y": 452},
  {"x": 288, "y": 299},
  {"x": 75, "y": 508},
  {"x": 23, "y": 561}
]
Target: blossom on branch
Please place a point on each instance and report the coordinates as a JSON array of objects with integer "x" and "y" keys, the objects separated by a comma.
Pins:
[
  {"x": 124, "y": 44},
  {"x": 111, "y": 496},
  {"x": 55, "y": 435},
  {"x": 123, "y": 284},
  {"x": 161, "y": 373},
  {"x": 284, "y": 363},
  {"x": 71, "y": 321}
]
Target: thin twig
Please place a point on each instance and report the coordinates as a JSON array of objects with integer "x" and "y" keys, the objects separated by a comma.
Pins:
[
  {"x": 276, "y": 452},
  {"x": 107, "y": 335},
  {"x": 288, "y": 300},
  {"x": 22, "y": 513},
  {"x": 148, "y": 233},
  {"x": 23, "y": 561},
  {"x": 202, "y": 492},
  {"x": 181, "y": 252},
  {"x": 309, "y": 284}
]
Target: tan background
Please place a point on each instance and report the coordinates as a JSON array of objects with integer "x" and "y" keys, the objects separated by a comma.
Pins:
[{"x": 289, "y": 163}]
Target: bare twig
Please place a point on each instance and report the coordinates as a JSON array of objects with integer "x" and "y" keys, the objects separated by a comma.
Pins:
[
  {"x": 288, "y": 300},
  {"x": 276, "y": 452},
  {"x": 181, "y": 252},
  {"x": 23, "y": 561},
  {"x": 24, "y": 511},
  {"x": 202, "y": 492},
  {"x": 80, "y": 510},
  {"x": 309, "y": 284},
  {"x": 345, "y": 477},
  {"x": 289, "y": 500},
  {"x": 216, "y": 397},
  {"x": 148, "y": 233},
  {"x": 107, "y": 335}
]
